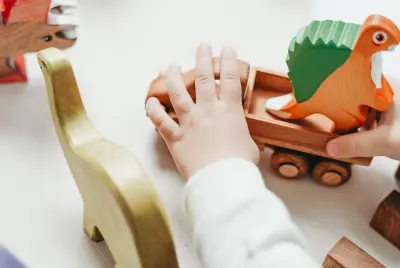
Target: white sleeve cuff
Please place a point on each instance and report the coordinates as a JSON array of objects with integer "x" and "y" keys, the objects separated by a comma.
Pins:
[{"x": 223, "y": 190}]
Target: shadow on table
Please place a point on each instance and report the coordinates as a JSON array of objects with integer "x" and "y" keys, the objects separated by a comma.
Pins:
[
  {"x": 24, "y": 109},
  {"x": 164, "y": 158}
]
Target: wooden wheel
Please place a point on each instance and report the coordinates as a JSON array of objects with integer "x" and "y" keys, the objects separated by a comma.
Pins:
[
  {"x": 289, "y": 164},
  {"x": 332, "y": 173}
]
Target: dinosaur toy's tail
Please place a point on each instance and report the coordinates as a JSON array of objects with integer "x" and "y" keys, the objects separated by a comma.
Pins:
[{"x": 285, "y": 107}]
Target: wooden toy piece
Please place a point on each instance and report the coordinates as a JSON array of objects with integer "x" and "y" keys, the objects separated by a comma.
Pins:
[
  {"x": 332, "y": 173},
  {"x": 346, "y": 254},
  {"x": 335, "y": 69},
  {"x": 8, "y": 260},
  {"x": 290, "y": 164},
  {"x": 158, "y": 89},
  {"x": 121, "y": 204},
  {"x": 29, "y": 26},
  {"x": 386, "y": 220},
  {"x": 299, "y": 144}
]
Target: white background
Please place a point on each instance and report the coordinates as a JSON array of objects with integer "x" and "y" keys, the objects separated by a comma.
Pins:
[{"x": 122, "y": 46}]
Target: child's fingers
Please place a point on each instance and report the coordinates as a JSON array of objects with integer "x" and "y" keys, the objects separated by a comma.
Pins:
[
  {"x": 361, "y": 144},
  {"x": 178, "y": 94},
  {"x": 231, "y": 89},
  {"x": 205, "y": 81},
  {"x": 165, "y": 125}
]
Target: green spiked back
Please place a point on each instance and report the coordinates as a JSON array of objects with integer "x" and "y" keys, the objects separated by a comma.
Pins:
[{"x": 316, "y": 52}]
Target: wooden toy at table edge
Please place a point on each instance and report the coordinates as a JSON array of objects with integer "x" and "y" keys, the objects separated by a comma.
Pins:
[
  {"x": 299, "y": 146},
  {"x": 121, "y": 204},
  {"x": 25, "y": 28},
  {"x": 386, "y": 219},
  {"x": 346, "y": 254}
]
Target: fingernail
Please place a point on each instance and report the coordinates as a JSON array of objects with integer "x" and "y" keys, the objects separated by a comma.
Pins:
[
  {"x": 333, "y": 149},
  {"x": 172, "y": 69},
  {"x": 204, "y": 49},
  {"x": 228, "y": 51}
]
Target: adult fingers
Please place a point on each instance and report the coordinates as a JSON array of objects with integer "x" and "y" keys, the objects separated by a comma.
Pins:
[
  {"x": 231, "y": 89},
  {"x": 362, "y": 144},
  {"x": 178, "y": 94},
  {"x": 165, "y": 125},
  {"x": 205, "y": 81},
  {"x": 390, "y": 115}
]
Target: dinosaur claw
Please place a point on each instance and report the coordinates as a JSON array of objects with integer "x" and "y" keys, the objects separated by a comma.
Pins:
[{"x": 64, "y": 14}]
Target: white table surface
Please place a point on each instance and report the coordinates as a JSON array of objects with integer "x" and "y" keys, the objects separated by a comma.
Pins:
[{"x": 122, "y": 46}]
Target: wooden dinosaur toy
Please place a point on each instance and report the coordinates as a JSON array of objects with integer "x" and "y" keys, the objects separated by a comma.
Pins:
[
  {"x": 120, "y": 202},
  {"x": 335, "y": 69},
  {"x": 29, "y": 26}
]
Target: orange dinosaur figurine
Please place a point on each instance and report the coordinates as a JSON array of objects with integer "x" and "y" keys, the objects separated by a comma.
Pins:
[{"x": 335, "y": 69}]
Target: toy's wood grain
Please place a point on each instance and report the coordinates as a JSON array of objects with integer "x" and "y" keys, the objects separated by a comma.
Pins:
[
  {"x": 386, "y": 220},
  {"x": 346, "y": 254},
  {"x": 25, "y": 37},
  {"x": 24, "y": 28},
  {"x": 289, "y": 164},
  {"x": 158, "y": 88},
  {"x": 121, "y": 204},
  {"x": 331, "y": 173}
]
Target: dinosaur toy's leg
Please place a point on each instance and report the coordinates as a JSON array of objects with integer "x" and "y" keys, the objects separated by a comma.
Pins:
[
  {"x": 286, "y": 107},
  {"x": 12, "y": 69},
  {"x": 383, "y": 97},
  {"x": 7, "y": 66},
  {"x": 349, "y": 120}
]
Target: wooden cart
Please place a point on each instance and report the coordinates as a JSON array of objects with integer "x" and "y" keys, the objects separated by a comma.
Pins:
[{"x": 299, "y": 145}]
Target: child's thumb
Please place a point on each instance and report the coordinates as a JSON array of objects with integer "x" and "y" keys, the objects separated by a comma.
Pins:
[{"x": 362, "y": 144}]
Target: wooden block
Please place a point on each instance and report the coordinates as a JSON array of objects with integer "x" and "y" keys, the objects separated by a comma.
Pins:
[
  {"x": 120, "y": 202},
  {"x": 386, "y": 220},
  {"x": 346, "y": 254},
  {"x": 8, "y": 260}
]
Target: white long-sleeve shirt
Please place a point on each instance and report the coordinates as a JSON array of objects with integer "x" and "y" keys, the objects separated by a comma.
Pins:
[{"x": 238, "y": 222}]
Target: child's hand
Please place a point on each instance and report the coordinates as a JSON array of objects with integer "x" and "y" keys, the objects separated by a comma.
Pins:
[
  {"x": 378, "y": 139},
  {"x": 212, "y": 128}
]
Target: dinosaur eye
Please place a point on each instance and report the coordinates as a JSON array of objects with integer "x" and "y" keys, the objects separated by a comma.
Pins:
[
  {"x": 47, "y": 38},
  {"x": 379, "y": 38}
]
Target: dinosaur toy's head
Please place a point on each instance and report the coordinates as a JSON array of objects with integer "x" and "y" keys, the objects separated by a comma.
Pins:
[
  {"x": 377, "y": 34},
  {"x": 30, "y": 26}
]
